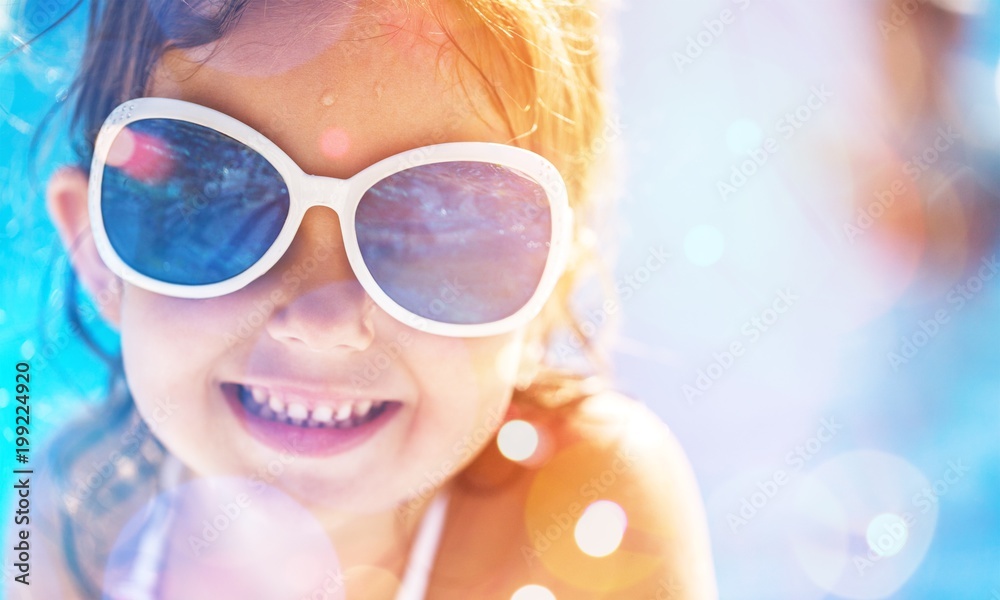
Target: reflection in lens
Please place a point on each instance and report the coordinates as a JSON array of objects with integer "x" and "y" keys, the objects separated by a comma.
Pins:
[
  {"x": 188, "y": 205},
  {"x": 456, "y": 242}
]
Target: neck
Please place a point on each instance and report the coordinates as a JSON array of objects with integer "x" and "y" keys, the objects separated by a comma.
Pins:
[{"x": 374, "y": 548}]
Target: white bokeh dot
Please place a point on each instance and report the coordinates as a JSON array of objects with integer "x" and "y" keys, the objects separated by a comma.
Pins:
[
  {"x": 887, "y": 534},
  {"x": 704, "y": 245},
  {"x": 600, "y": 529},
  {"x": 27, "y": 349},
  {"x": 743, "y": 136},
  {"x": 517, "y": 440},
  {"x": 533, "y": 592}
]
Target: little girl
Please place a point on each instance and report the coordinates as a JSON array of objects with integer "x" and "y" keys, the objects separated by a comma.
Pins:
[{"x": 339, "y": 240}]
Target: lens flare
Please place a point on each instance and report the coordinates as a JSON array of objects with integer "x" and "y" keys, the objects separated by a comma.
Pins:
[
  {"x": 141, "y": 156},
  {"x": 837, "y": 542}
]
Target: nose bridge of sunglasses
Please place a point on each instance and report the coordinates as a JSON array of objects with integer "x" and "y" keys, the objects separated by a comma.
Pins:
[{"x": 324, "y": 191}]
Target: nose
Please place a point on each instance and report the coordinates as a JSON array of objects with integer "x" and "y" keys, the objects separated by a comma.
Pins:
[{"x": 325, "y": 308}]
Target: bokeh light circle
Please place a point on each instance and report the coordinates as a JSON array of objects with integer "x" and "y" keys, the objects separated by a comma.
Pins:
[
  {"x": 743, "y": 136},
  {"x": 600, "y": 529},
  {"x": 517, "y": 440},
  {"x": 841, "y": 503},
  {"x": 887, "y": 534},
  {"x": 224, "y": 537},
  {"x": 533, "y": 592},
  {"x": 704, "y": 245}
]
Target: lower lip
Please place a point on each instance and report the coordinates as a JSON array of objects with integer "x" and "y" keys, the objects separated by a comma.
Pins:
[{"x": 309, "y": 441}]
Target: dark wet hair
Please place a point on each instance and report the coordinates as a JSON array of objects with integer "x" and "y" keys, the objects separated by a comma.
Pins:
[{"x": 125, "y": 42}]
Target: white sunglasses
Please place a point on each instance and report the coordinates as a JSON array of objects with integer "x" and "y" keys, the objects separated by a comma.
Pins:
[{"x": 463, "y": 239}]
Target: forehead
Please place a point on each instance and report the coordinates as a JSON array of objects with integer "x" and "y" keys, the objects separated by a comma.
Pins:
[{"x": 351, "y": 88}]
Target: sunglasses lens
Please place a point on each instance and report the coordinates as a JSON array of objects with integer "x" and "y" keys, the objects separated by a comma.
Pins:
[
  {"x": 186, "y": 204},
  {"x": 456, "y": 242}
]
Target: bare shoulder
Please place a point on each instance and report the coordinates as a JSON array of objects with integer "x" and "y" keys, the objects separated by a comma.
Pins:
[
  {"x": 608, "y": 507},
  {"x": 632, "y": 462}
]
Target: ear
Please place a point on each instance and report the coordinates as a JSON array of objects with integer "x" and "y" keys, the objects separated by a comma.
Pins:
[{"x": 66, "y": 200}]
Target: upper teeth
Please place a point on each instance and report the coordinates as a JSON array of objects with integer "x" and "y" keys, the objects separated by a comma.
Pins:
[{"x": 297, "y": 411}]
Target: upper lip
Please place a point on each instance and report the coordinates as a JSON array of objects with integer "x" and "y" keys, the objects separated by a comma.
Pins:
[{"x": 312, "y": 396}]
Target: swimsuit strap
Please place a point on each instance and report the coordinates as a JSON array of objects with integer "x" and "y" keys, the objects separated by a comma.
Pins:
[
  {"x": 425, "y": 545},
  {"x": 144, "y": 576}
]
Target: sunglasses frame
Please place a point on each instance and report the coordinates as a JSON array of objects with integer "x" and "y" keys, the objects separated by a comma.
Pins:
[{"x": 341, "y": 195}]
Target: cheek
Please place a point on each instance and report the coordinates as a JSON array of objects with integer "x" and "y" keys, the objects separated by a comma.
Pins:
[
  {"x": 176, "y": 331},
  {"x": 169, "y": 348},
  {"x": 465, "y": 389},
  {"x": 165, "y": 337},
  {"x": 476, "y": 369}
]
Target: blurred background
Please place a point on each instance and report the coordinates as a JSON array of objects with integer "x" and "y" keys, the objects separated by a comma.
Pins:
[{"x": 825, "y": 177}]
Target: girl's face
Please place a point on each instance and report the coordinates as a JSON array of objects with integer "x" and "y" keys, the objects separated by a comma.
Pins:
[{"x": 336, "y": 99}]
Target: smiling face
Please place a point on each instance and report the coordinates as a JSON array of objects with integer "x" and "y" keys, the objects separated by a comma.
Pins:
[{"x": 304, "y": 339}]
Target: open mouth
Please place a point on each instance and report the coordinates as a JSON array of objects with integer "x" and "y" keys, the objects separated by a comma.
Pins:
[
  {"x": 307, "y": 425},
  {"x": 352, "y": 413}
]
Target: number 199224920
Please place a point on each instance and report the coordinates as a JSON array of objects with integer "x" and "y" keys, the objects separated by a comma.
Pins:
[{"x": 23, "y": 413}]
